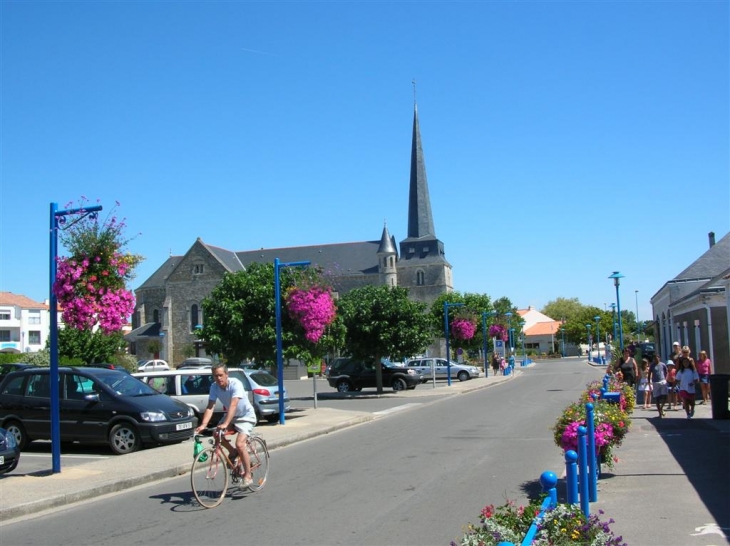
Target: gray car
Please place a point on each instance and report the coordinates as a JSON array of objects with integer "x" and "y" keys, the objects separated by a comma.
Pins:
[{"x": 428, "y": 367}]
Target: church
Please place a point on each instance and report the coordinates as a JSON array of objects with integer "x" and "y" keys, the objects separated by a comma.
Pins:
[{"x": 169, "y": 302}]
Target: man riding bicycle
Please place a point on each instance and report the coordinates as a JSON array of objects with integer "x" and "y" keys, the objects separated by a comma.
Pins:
[{"x": 240, "y": 415}]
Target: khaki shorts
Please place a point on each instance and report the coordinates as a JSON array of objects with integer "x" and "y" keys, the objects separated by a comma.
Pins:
[{"x": 241, "y": 426}]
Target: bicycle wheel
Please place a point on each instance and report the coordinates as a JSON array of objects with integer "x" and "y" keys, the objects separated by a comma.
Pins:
[
  {"x": 209, "y": 477},
  {"x": 259, "y": 455}
]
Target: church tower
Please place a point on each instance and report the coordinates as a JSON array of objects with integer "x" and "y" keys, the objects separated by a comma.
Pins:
[
  {"x": 422, "y": 267},
  {"x": 387, "y": 258}
]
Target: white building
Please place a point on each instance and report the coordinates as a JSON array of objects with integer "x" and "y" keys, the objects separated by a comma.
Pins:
[{"x": 24, "y": 324}]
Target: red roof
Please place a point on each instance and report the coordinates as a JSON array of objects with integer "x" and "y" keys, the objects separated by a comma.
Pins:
[
  {"x": 543, "y": 328},
  {"x": 16, "y": 300}
]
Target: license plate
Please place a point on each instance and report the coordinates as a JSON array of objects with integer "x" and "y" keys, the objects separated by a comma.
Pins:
[{"x": 183, "y": 426}]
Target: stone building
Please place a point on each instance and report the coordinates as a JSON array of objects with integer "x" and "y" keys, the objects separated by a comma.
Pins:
[{"x": 169, "y": 303}]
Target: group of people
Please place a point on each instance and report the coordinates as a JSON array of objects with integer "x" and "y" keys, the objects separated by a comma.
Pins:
[{"x": 671, "y": 383}]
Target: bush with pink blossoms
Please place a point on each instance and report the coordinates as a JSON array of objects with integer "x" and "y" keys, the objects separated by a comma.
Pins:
[
  {"x": 313, "y": 308},
  {"x": 498, "y": 331}
]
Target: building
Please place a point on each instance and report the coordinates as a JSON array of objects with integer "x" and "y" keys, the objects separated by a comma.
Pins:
[
  {"x": 24, "y": 324},
  {"x": 542, "y": 334},
  {"x": 169, "y": 303},
  {"x": 693, "y": 308}
]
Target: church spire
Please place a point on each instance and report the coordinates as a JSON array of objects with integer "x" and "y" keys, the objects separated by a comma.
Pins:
[{"x": 420, "y": 220}]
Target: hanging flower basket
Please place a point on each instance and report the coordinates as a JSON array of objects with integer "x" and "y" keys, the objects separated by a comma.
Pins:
[
  {"x": 313, "y": 308},
  {"x": 463, "y": 329},
  {"x": 498, "y": 331}
]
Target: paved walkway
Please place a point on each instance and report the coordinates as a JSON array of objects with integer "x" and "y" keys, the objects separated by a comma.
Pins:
[{"x": 670, "y": 486}]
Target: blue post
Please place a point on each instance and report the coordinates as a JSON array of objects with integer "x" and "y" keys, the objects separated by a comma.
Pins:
[
  {"x": 549, "y": 480},
  {"x": 583, "y": 472},
  {"x": 484, "y": 337},
  {"x": 616, "y": 276},
  {"x": 591, "y": 448},
  {"x": 571, "y": 476}
]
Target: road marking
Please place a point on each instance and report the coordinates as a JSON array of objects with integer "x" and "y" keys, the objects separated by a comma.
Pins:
[
  {"x": 397, "y": 408},
  {"x": 709, "y": 529}
]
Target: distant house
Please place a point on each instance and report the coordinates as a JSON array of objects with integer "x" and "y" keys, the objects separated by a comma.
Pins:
[
  {"x": 542, "y": 333},
  {"x": 24, "y": 324},
  {"x": 693, "y": 308},
  {"x": 169, "y": 303}
]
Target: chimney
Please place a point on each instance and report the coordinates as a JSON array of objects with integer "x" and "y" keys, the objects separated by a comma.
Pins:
[{"x": 711, "y": 235}]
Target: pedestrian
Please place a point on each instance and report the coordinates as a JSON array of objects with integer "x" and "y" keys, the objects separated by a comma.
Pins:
[
  {"x": 704, "y": 369},
  {"x": 628, "y": 368},
  {"x": 687, "y": 378},
  {"x": 676, "y": 352},
  {"x": 495, "y": 363},
  {"x": 644, "y": 384},
  {"x": 660, "y": 390},
  {"x": 502, "y": 365},
  {"x": 672, "y": 385}
]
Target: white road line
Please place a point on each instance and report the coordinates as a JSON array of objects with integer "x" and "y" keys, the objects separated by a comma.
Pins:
[{"x": 395, "y": 409}]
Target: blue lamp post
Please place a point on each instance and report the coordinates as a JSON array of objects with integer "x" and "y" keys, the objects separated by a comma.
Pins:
[
  {"x": 279, "y": 349},
  {"x": 616, "y": 276},
  {"x": 446, "y": 333},
  {"x": 598, "y": 338},
  {"x": 590, "y": 349},
  {"x": 508, "y": 314},
  {"x": 562, "y": 331},
  {"x": 613, "y": 319},
  {"x": 58, "y": 222},
  {"x": 522, "y": 340},
  {"x": 486, "y": 314}
]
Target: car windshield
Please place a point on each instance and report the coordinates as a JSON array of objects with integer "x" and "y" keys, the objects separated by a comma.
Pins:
[
  {"x": 126, "y": 385},
  {"x": 265, "y": 379}
]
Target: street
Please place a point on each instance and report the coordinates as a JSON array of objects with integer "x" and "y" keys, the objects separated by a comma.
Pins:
[{"x": 416, "y": 476}]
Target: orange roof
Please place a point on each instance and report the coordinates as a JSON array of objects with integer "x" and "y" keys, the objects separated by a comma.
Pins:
[
  {"x": 8, "y": 298},
  {"x": 543, "y": 328}
]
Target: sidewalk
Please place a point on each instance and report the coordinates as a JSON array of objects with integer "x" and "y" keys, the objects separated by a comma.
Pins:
[{"x": 21, "y": 495}]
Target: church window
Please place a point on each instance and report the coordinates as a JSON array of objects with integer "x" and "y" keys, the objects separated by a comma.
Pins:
[
  {"x": 420, "y": 278},
  {"x": 155, "y": 316},
  {"x": 193, "y": 317},
  {"x": 391, "y": 261},
  {"x": 198, "y": 269}
]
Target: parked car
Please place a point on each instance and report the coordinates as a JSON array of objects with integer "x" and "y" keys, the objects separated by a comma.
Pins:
[
  {"x": 648, "y": 350},
  {"x": 354, "y": 375},
  {"x": 427, "y": 367},
  {"x": 96, "y": 405},
  {"x": 5, "y": 369},
  {"x": 192, "y": 386},
  {"x": 9, "y": 452},
  {"x": 110, "y": 367},
  {"x": 152, "y": 365},
  {"x": 195, "y": 362}
]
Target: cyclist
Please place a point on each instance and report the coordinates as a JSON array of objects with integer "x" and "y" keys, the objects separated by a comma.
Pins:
[{"x": 240, "y": 415}]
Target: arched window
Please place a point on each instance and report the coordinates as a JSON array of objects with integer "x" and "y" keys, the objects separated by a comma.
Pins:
[
  {"x": 420, "y": 278},
  {"x": 155, "y": 316},
  {"x": 193, "y": 317},
  {"x": 391, "y": 261}
]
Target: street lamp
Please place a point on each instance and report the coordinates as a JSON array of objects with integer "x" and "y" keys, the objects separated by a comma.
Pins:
[
  {"x": 588, "y": 328},
  {"x": 486, "y": 314},
  {"x": 616, "y": 276},
  {"x": 598, "y": 338},
  {"x": 613, "y": 320},
  {"x": 638, "y": 328},
  {"x": 522, "y": 339},
  {"x": 508, "y": 314},
  {"x": 446, "y": 333},
  {"x": 279, "y": 349},
  {"x": 562, "y": 329},
  {"x": 58, "y": 222}
]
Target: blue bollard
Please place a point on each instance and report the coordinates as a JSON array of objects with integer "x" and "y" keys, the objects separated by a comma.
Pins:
[
  {"x": 583, "y": 472},
  {"x": 549, "y": 480},
  {"x": 591, "y": 449},
  {"x": 571, "y": 476}
]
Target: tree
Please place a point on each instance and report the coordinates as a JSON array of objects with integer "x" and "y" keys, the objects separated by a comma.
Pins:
[
  {"x": 84, "y": 346},
  {"x": 563, "y": 308},
  {"x": 473, "y": 306},
  {"x": 240, "y": 317},
  {"x": 381, "y": 321}
]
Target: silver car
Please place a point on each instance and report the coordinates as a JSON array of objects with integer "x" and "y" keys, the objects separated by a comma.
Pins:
[{"x": 438, "y": 367}]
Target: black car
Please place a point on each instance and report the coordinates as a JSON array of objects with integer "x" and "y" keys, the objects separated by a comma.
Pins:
[
  {"x": 96, "y": 406},
  {"x": 353, "y": 375},
  {"x": 648, "y": 350},
  {"x": 9, "y": 452},
  {"x": 5, "y": 369}
]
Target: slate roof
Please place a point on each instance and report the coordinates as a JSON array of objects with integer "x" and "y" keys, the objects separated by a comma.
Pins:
[
  {"x": 713, "y": 285},
  {"x": 711, "y": 263},
  {"x": 227, "y": 258},
  {"x": 387, "y": 243},
  {"x": 158, "y": 278},
  {"x": 339, "y": 259},
  {"x": 150, "y": 329},
  {"x": 17, "y": 300},
  {"x": 420, "y": 219}
]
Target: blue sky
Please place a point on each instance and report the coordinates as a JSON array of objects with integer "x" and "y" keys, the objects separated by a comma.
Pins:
[{"x": 563, "y": 140}]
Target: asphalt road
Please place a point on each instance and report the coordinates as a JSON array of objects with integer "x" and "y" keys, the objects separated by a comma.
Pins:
[{"x": 415, "y": 477}]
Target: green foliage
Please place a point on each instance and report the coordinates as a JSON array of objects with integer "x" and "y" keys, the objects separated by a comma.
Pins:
[
  {"x": 9, "y": 358},
  {"x": 240, "y": 317},
  {"x": 84, "y": 346},
  {"x": 563, "y": 308},
  {"x": 382, "y": 321},
  {"x": 473, "y": 305}
]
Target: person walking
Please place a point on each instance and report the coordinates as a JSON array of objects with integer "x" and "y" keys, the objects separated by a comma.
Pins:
[
  {"x": 687, "y": 378},
  {"x": 672, "y": 385},
  {"x": 495, "y": 363},
  {"x": 660, "y": 390},
  {"x": 644, "y": 384},
  {"x": 704, "y": 369},
  {"x": 628, "y": 368}
]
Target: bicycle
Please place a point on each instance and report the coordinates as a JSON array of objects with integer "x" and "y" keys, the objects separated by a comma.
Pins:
[{"x": 212, "y": 468}]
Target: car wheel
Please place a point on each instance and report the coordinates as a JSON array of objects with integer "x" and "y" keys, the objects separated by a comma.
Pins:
[
  {"x": 463, "y": 376},
  {"x": 273, "y": 418},
  {"x": 17, "y": 430},
  {"x": 399, "y": 384},
  {"x": 124, "y": 439},
  {"x": 343, "y": 385}
]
